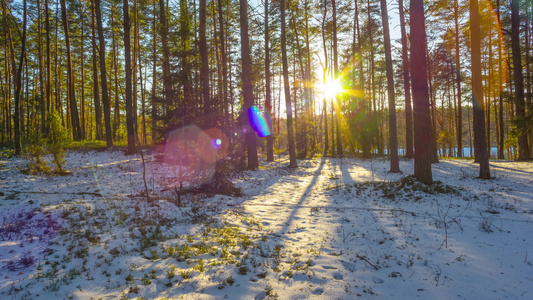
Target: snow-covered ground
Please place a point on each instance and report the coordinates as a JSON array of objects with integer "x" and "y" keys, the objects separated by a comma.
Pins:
[{"x": 331, "y": 229}]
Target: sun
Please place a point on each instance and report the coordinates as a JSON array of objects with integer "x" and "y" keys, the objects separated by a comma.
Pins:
[{"x": 330, "y": 88}]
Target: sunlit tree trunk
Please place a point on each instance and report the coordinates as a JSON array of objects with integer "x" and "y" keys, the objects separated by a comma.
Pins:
[
  {"x": 459, "y": 126},
  {"x": 96, "y": 91},
  {"x": 336, "y": 75},
  {"x": 163, "y": 31},
  {"x": 421, "y": 113},
  {"x": 129, "y": 101},
  {"x": 480, "y": 150},
  {"x": 74, "y": 116},
  {"x": 18, "y": 87},
  {"x": 103, "y": 76}
]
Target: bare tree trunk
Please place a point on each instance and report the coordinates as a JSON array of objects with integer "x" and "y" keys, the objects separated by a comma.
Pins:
[
  {"x": 96, "y": 91},
  {"x": 74, "y": 116},
  {"x": 326, "y": 138},
  {"x": 49, "y": 108},
  {"x": 204, "y": 69},
  {"x": 422, "y": 119},
  {"x": 18, "y": 88},
  {"x": 82, "y": 58},
  {"x": 41, "y": 71},
  {"x": 393, "y": 139},
  {"x": 336, "y": 71},
  {"x": 480, "y": 150},
  {"x": 270, "y": 138},
  {"x": 129, "y": 101},
  {"x": 459, "y": 126},
  {"x": 167, "y": 89},
  {"x": 103, "y": 76},
  {"x": 251, "y": 138},
  {"x": 523, "y": 146},
  {"x": 406, "y": 86},
  {"x": 290, "y": 129}
]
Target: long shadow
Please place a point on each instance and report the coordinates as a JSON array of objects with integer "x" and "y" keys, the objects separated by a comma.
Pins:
[
  {"x": 298, "y": 205},
  {"x": 510, "y": 169}
]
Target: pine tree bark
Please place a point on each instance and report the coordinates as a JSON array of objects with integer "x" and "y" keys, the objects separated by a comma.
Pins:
[
  {"x": 480, "y": 150},
  {"x": 393, "y": 138},
  {"x": 18, "y": 87},
  {"x": 247, "y": 89},
  {"x": 129, "y": 101},
  {"x": 421, "y": 113},
  {"x": 459, "y": 126},
  {"x": 74, "y": 116},
  {"x": 96, "y": 91},
  {"x": 500, "y": 82},
  {"x": 268, "y": 104},
  {"x": 290, "y": 129},
  {"x": 336, "y": 72},
  {"x": 204, "y": 69},
  {"x": 48, "y": 61},
  {"x": 82, "y": 63},
  {"x": 167, "y": 88},
  {"x": 406, "y": 86},
  {"x": 103, "y": 76},
  {"x": 523, "y": 146}
]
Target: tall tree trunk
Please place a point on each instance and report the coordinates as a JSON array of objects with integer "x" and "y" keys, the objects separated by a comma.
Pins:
[
  {"x": 135, "y": 67},
  {"x": 74, "y": 116},
  {"x": 204, "y": 69},
  {"x": 96, "y": 91},
  {"x": 143, "y": 100},
  {"x": 167, "y": 88},
  {"x": 336, "y": 76},
  {"x": 49, "y": 108},
  {"x": 421, "y": 113},
  {"x": 18, "y": 88},
  {"x": 154, "y": 77},
  {"x": 225, "y": 66},
  {"x": 500, "y": 85},
  {"x": 82, "y": 63},
  {"x": 268, "y": 104},
  {"x": 326, "y": 138},
  {"x": 290, "y": 129},
  {"x": 103, "y": 76},
  {"x": 129, "y": 101},
  {"x": 247, "y": 89},
  {"x": 480, "y": 150},
  {"x": 393, "y": 139},
  {"x": 459, "y": 126},
  {"x": 114, "y": 62},
  {"x": 406, "y": 86},
  {"x": 41, "y": 71},
  {"x": 523, "y": 146}
]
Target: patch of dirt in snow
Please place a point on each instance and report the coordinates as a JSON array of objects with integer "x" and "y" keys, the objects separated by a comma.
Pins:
[{"x": 330, "y": 229}]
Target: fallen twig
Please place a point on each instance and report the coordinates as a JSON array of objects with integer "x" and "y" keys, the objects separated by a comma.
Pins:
[{"x": 364, "y": 258}]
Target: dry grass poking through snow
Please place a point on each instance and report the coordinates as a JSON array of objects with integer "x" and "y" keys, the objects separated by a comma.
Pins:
[{"x": 331, "y": 229}]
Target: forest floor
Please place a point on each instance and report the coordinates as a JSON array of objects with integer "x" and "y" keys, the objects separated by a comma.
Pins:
[{"x": 330, "y": 229}]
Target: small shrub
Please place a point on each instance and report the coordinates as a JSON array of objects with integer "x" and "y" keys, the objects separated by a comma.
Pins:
[
  {"x": 36, "y": 150},
  {"x": 58, "y": 140}
]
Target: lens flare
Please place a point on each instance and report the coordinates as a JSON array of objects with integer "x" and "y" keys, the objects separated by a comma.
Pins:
[{"x": 260, "y": 121}]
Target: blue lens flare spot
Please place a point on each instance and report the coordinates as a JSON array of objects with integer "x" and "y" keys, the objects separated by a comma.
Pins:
[
  {"x": 216, "y": 143},
  {"x": 260, "y": 121}
]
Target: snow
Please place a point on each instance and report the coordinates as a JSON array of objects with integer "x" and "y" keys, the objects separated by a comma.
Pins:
[{"x": 331, "y": 229}]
